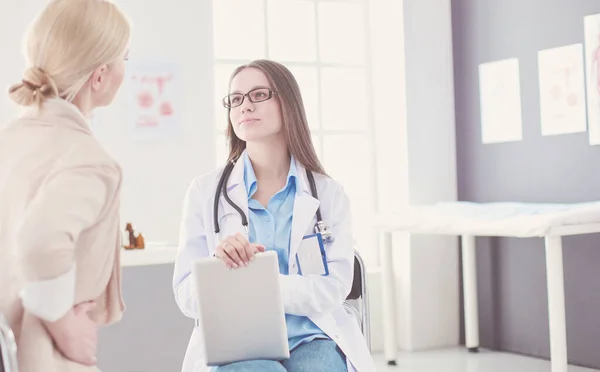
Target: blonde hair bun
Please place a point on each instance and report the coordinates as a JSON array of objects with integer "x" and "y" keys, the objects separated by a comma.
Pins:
[
  {"x": 64, "y": 45},
  {"x": 36, "y": 87}
]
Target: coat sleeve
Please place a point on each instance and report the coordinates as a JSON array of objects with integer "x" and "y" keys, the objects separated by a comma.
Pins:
[
  {"x": 192, "y": 246},
  {"x": 312, "y": 295},
  {"x": 67, "y": 203}
]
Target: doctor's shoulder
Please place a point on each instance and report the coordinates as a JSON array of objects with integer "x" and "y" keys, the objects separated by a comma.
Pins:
[
  {"x": 330, "y": 188},
  {"x": 202, "y": 187}
]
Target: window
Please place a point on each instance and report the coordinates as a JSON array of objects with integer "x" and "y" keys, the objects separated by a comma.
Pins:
[{"x": 328, "y": 56}]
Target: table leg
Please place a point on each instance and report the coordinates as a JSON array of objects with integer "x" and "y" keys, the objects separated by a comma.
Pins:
[
  {"x": 470, "y": 293},
  {"x": 389, "y": 315},
  {"x": 556, "y": 303}
]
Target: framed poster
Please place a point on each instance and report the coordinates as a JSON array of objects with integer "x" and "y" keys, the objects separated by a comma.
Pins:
[
  {"x": 592, "y": 62},
  {"x": 500, "y": 100},
  {"x": 153, "y": 100},
  {"x": 562, "y": 90}
]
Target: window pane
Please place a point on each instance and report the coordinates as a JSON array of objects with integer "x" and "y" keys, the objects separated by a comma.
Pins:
[
  {"x": 344, "y": 98},
  {"x": 309, "y": 88},
  {"x": 222, "y": 149},
  {"x": 239, "y": 27},
  {"x": 366, "y": 242},
  {"x": 221, "y": 88},
  {"x": 316, "y": 140},
  {"x": 292, "y": 30},
  {"x": 341, "y": 32},
  {"x": 348, "y": 159}
]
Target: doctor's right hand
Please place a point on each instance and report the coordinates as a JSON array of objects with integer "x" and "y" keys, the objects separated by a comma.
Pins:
[
  {"x": 75, "y": 334},
  {"x": 236, "y": 250}
]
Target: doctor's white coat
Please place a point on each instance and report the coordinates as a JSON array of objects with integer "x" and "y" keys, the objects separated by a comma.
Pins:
[{"x": 318, "y": 297}]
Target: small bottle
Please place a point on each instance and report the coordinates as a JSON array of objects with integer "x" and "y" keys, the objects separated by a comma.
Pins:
[{"x": 139, "y": 241}]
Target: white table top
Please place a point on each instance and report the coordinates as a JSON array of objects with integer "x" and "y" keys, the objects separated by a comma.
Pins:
[
  {"x": 151, "y": 255},
  {"x": 494, "y": 219}
]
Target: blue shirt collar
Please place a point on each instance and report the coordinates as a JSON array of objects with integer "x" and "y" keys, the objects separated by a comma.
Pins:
[{"x": 250, "y": 176}]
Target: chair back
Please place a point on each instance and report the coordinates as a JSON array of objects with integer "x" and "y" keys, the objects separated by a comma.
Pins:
[
  {"x": 357, "y": 281},
  {"x": 358, "y": 292},
  {"x": 8, "y": 347}
]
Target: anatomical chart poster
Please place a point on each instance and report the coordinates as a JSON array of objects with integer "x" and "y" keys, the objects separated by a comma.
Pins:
[
  {"x": 562, "y": 91},
  {"x": 592, "y": 62},
  {"x": 154, "y": 102},
  {"x": 500, "y": 100}
]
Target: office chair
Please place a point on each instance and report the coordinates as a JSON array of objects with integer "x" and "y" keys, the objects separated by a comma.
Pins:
[
  {"x": 358, "y": 294},
  {"x": 8, "y": 347}
]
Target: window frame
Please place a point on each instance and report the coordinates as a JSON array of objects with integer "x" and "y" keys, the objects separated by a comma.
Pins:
[{"x": 370, "y": 254}]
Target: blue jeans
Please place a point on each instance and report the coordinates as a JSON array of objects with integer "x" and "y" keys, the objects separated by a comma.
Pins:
[{"x": 315, "y": 356}]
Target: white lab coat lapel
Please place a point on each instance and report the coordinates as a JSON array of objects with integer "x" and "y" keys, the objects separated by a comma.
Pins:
[
  {"x": 229, "y": 219},
  {"x": 305, "y": 209}
]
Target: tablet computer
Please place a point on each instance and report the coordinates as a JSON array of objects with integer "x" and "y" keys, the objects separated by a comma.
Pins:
[{"x": 241, "y": 310}]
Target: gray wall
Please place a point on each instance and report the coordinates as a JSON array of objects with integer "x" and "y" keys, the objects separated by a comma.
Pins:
[
  {"x": 153, "y": 334},
  {"x": 511, "y": 272}
]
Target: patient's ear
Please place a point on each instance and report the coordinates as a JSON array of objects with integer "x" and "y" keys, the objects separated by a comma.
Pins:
[{"x": 98, "y": 78}]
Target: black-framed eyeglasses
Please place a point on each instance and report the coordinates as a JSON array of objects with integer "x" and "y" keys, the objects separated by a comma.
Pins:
[{"x": 255, "y": 95}]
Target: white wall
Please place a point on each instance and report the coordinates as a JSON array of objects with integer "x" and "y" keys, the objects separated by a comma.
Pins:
[
  {"x": 433, "y": 260},
  {"x": 416, "y": 164},
  {"x": 426, "y": 267},
  {"x": 13, "y": 23},
  {"x": 156, "y": 172}
]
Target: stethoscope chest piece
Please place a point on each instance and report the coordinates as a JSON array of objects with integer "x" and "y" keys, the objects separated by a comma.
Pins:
[{"x": 325, "y": 231}]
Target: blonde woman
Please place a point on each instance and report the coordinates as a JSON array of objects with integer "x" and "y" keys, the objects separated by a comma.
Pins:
[{"x": 59, "y": 189}]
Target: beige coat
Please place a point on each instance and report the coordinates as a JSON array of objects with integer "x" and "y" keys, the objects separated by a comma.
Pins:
[{"x": 59, "y": 229}]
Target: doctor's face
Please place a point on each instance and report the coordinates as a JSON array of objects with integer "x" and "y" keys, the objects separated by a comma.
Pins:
[{"x": 255, "y": 112}]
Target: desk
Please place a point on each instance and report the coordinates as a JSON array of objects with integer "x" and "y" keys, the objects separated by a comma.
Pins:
[
  {"x": 153, "y": 254},
  {"x": 468, "y": 220},
  {"x": 153, "y": 334}
]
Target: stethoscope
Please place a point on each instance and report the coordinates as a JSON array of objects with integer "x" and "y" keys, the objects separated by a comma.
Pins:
[{"x": 320, "y": 226}]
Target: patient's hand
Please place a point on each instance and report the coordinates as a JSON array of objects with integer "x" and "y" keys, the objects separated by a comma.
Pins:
[
  {"x": 76, "y": 335},
  {"x": 236, "y": 250}
]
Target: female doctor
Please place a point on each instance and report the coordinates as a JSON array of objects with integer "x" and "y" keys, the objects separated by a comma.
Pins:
[{"x": 272, "y": 161}]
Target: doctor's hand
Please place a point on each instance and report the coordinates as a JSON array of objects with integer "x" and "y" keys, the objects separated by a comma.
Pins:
[
  {"x": 75, "y": 334},
  {"x": 236, "y": 250}
]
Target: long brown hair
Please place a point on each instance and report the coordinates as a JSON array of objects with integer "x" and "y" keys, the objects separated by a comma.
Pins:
[{"x": 295, "y": 126}]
